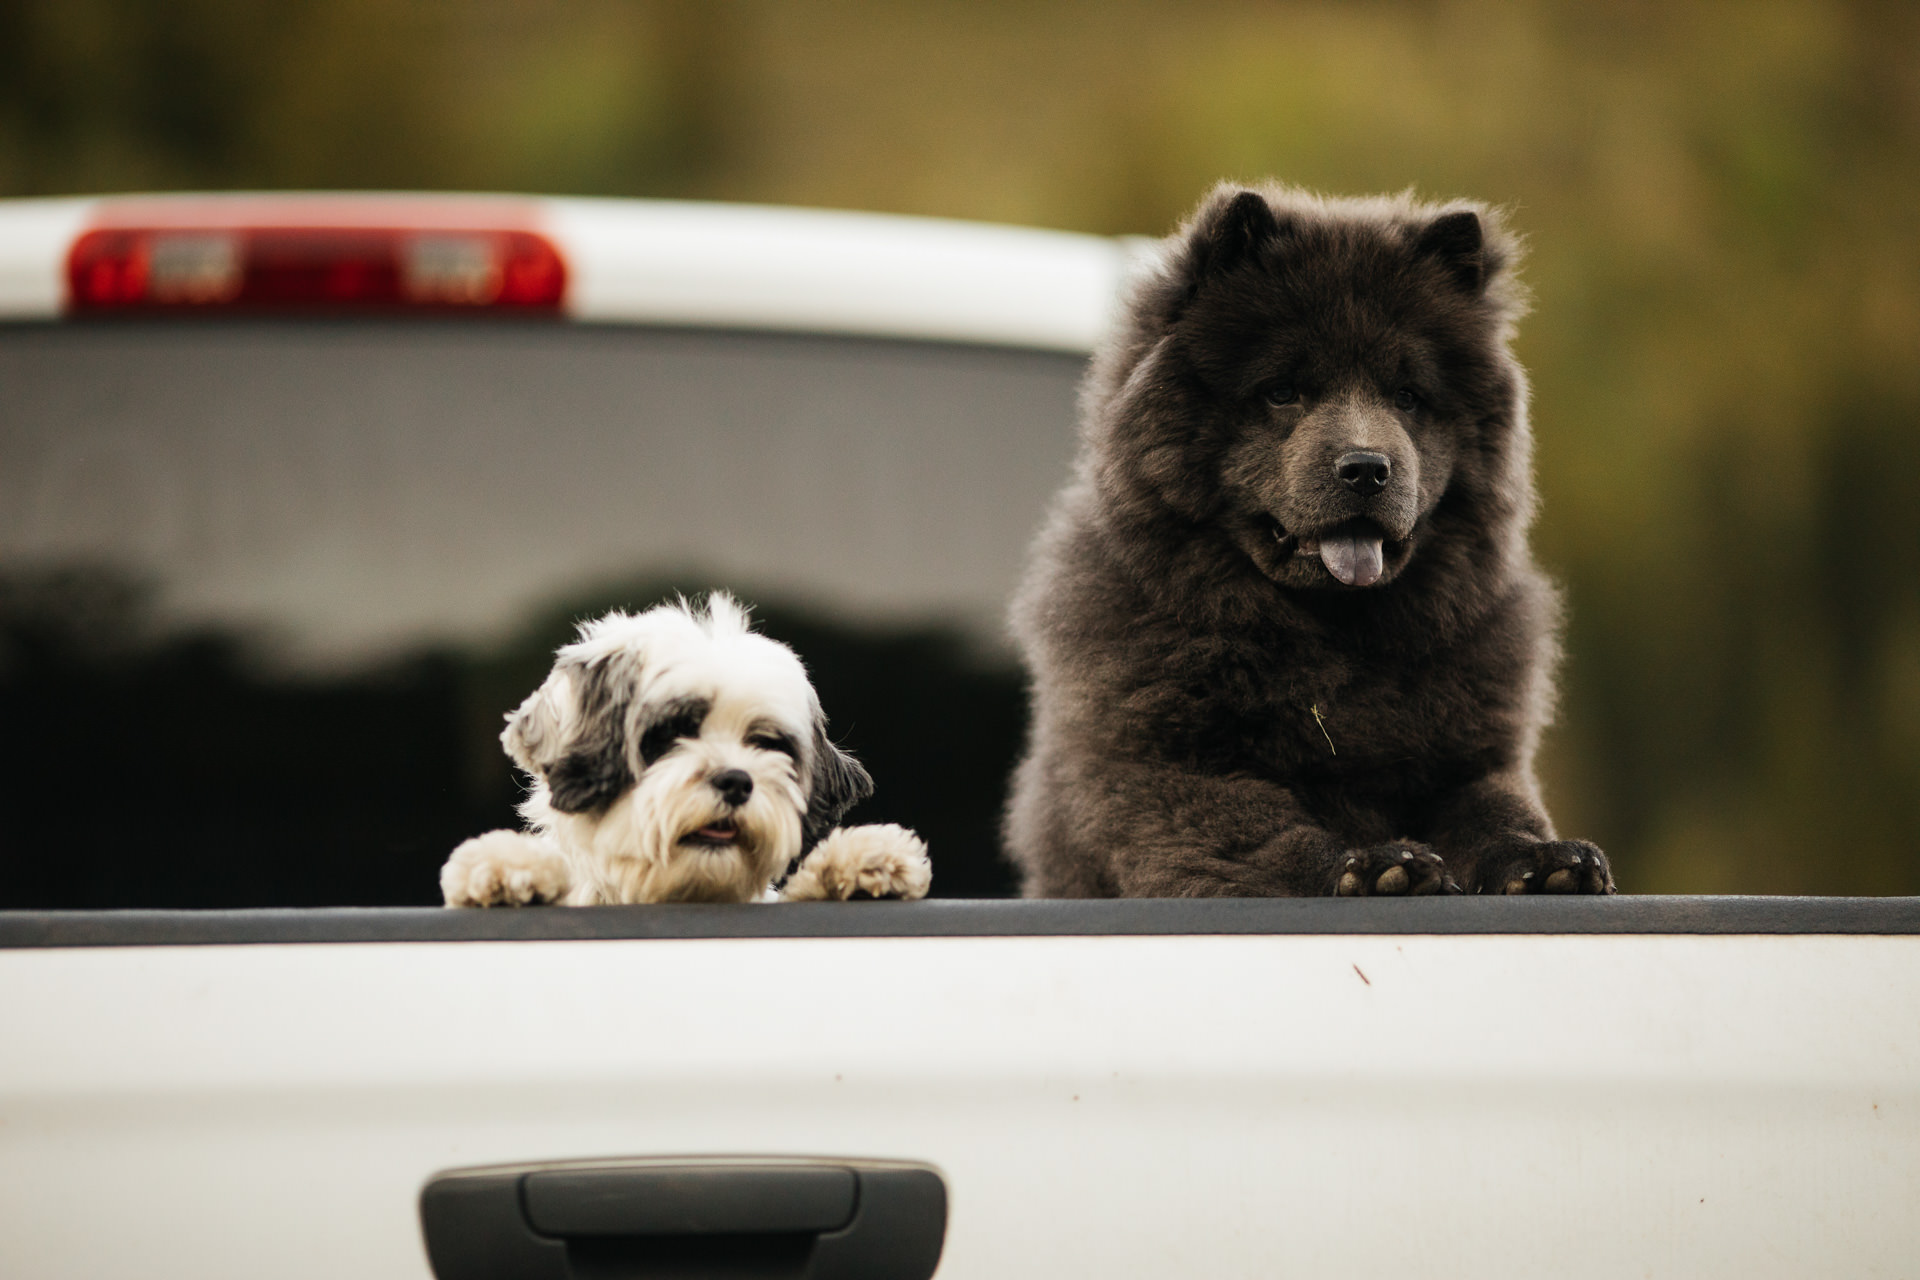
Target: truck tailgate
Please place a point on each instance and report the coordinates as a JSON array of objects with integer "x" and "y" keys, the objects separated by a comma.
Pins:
[{"x": 1101, "y": 1101}]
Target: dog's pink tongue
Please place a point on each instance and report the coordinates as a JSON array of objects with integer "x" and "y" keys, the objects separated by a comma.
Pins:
[{"x": 1353, "y": 558}]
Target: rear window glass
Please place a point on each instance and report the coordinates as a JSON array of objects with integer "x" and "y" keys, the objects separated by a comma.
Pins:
[{"x": 267, "y": 589}]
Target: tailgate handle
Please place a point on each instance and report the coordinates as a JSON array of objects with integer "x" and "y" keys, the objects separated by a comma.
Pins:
[{"x": 686, "y": 1220}]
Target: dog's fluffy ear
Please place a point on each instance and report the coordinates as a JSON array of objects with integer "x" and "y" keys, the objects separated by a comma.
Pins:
[
  {"x": 837, "y": 784},
  {"x": 1233, "y": 225},
  {"x": 1456, "y": 242},
  {"x": 572, "y": 732},
  {"x": 1230, "y": 230},
  {"x": 533, "y": 732}
]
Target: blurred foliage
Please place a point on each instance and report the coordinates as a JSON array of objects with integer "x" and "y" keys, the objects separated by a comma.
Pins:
[{"x": 1723, "y": 201}]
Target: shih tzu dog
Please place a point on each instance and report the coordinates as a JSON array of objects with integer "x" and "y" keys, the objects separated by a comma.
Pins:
[{"x": 677, "y": 756}]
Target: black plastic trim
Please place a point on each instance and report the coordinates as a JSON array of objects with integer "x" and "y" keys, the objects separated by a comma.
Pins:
[
  {"x": 689, "y": 1199},
  {"x": 956, "y": 918},
  {"x": 656, "y": 1218}
]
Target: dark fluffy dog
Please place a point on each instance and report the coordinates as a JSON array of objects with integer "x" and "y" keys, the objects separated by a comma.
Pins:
[{"x": 1285, "y": 633}]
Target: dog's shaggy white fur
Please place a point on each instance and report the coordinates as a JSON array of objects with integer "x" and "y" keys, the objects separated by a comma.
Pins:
[{"x": 677, "y": 756}]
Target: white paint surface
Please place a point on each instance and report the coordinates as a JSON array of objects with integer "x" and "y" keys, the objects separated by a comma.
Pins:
[
  {"x": 1111, "y": 1107},
  {"x": 34, "y": 238},
  {"x": 825, "y": 271},
  {"x": 687, "y": 263}
]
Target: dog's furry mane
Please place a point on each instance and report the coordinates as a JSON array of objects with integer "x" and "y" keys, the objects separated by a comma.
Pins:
[{"x": 1283, "y": 625}]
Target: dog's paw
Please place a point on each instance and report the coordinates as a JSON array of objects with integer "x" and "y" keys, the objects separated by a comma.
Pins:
[
  {"x": 1402, "y": 869},
  {"x": 1548, "y": 866},
  {"x": 504, "y": 869},
  {"x": 876, "y": 861}
]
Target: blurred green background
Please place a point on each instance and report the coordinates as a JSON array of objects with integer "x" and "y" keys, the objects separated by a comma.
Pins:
[{"x": 1722, "y": 200}]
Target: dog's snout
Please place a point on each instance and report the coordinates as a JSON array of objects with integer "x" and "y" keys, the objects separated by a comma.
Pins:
[
  {"x": 1364, "y": 472},
  {"x": 734, "y": 785}
]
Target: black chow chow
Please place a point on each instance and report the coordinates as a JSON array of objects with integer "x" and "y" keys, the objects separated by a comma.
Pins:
[{"x": 1285, "y": 633}]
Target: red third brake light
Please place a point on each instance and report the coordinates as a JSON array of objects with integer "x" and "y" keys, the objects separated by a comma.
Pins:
[{"x": 230, "y": 257}]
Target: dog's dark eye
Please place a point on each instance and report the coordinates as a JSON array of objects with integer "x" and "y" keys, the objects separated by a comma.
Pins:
[
  {"x": 1282, "y": 394},
  {"x": 775, "y": 742},
  {"x": 659, "y": 738},
  {"x": 657, "y": 741},
  {"x": 1406, "y": 399}
]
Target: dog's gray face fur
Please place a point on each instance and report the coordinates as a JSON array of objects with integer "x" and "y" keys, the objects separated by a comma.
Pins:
[
  {"x": 679, "y": 756},
  {"x": 1298, "y": 519}
]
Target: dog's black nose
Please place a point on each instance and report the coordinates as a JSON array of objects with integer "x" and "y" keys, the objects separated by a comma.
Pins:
[
  {"x": 1364, "y": 473},
  {"x": 734, "y": 785}
]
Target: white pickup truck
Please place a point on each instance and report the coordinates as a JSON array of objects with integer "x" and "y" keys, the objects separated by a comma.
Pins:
[{"x": 987, "y": 1089}]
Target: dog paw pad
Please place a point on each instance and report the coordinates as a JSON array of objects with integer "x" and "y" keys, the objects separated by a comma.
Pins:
[
  {"x": 1551, "y": 866},
  {"x": 503, "y": 869},
  {"x": 875, "y": 861},
  {"x": 1393, "y": 871}
]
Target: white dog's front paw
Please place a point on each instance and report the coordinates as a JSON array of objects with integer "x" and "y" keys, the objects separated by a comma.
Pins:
[
  {"x": 877, "y": 861},
  {"x": 504, "y": 869}
]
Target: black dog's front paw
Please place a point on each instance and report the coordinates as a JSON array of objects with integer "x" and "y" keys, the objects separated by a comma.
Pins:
[
  {"x": 1400, "y": 870},
  {"x": 1550, "y": 866}
]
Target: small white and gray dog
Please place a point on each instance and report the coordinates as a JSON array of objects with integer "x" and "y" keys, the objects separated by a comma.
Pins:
[{"x": 678, "y": 756}]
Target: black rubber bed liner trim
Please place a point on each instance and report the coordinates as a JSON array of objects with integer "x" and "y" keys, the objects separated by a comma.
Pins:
[{"x": 954, "y": 918}]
